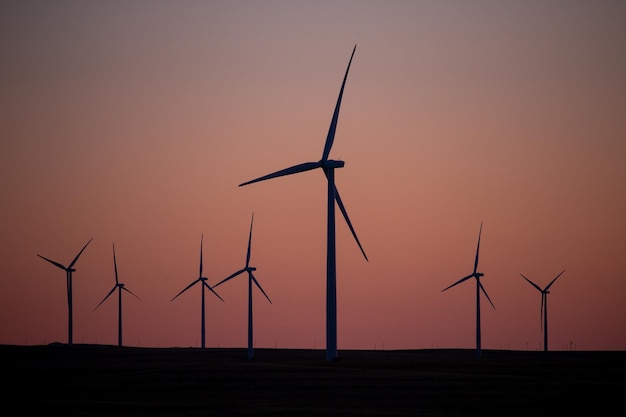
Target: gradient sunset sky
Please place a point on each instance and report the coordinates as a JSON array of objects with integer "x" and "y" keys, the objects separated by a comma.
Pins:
[{"x": 133, "y": 123}]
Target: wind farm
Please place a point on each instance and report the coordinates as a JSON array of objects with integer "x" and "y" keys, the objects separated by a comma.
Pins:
[
  {"x": 251, "y": 280},
  {"x": 202, "y": 280},
  {"x": 136, "y": 124},
  {"x": 138, "y": 128},
  {"x": 328, "y": 167},
  {"x": 120, "y": 287},
  {"x": 333, "y": 200},
  {"x": 544, "y": 306}
]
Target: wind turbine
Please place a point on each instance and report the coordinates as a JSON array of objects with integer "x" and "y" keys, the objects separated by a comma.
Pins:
[
  {"x": 68, "y": 273},
  {"x": 544, "y": 307},
  {"x": 119, "y": 287},
  {"x": 202, "y": 280},
  {"x": 328, "y": 166},
  {"x": 479, "y": 287},
  {"x": 251, "y": 278}
]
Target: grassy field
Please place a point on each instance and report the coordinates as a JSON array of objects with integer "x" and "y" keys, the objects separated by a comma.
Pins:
[{"x": 90, "y": 380}]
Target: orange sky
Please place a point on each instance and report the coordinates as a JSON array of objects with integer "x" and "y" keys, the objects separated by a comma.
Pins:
[{"x": 133, "y": 123}]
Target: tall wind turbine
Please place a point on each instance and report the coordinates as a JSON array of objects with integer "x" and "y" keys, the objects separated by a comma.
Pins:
[
  {"x": 479, "y": 287},
  {"x": 119, "y": 287},
  {"x": 68, "y": 274},
  {"x": 251, "y": 278},
  {"x": 544, "y": 307},
  {"x": 202, "y": 280},
  {"x": 328, "y": 166}
]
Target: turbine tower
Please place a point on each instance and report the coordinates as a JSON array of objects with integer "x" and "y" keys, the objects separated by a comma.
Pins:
[
  {"x": 544, "y": 307},
  {"x": 479, "y": 288},
  {"x": 68, "y": 274},
  {"x": 251, "y": 278},
  {"x": 119, "y": 287},
  {"x": 328, "y": 166},
  {"x": 202, "y": 280}
]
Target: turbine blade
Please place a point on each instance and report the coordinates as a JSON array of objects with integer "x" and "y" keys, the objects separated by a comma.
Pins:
[
  {"x": 485, "y": 292},
  {"x": 249, "y": 242},
  {"x": 345, "y": 216},
  {"x": 132, "y": 293},
  {"x": 252, "y": 277},
  {"x": 107, "y": 296},
  {"x": 552, "y": 282},
  {"x": 53, "y": 262},
  {"x": 185, "y": 289},
  {"x": 532, "y": 283},
  {"x": 201, "y": 238},
  {"x": 79, "y": 253},
  {"x": 115, "y": 264},
  {"x": 230, "y": 277},
  {"x": 212, "y": 290},
  {"x": 307, "y": 166},
  {"x": 543, "y": 303},
  {"x": 478, "y": 247},
  {"x": 458, "y": 282},
  {"x": 330, "y": 138}
]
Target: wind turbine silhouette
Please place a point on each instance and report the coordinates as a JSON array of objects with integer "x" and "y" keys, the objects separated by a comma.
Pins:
[
  {"x": 479, "y": 287},
  {"x": 251, "y": 278},
  {"x": 328, "y": 166},
  {"x": 202, "y": 280},
  {"x": 544, "y": 307},
  {"x": 119, "y": 287},
  {"x": 68, "y": 273}
]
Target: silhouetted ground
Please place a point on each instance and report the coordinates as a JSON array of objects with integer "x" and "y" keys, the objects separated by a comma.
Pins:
[{"x": 96, "y": 381}]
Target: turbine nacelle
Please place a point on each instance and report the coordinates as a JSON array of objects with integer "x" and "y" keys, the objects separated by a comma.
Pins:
[
  {"x": 251, "y": 268},
  {"x": 478, "y": 274},
  {"x": 331, "y": 164}
]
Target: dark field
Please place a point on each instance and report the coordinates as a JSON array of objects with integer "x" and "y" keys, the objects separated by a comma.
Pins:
[{"x": 109, "y": 381}]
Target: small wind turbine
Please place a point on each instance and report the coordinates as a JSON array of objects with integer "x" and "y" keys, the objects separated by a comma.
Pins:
[
  {"x": 251, "y": 278},
  {"x": 544, "y": 307},
  {"x": 479, "y": 287},
  {"x": 119, "y": 287},
  {"x": 68, "y": 273},
  {"x": 202, "y": 280},
  {"x": 328, "y": 166}
]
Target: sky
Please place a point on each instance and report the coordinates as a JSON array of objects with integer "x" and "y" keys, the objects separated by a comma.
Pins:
[{"x": 133, "y": 123}]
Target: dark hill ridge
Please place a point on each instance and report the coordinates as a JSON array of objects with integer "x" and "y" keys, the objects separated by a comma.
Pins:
[{"x": 98, "y": 380}]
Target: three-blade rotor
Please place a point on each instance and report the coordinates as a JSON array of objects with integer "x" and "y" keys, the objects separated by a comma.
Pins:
[
  {"x": 544, "y": 294},
  {"x": 119, "y": 286},
  {"x": 474, "y": 274},
  {"x": 323, "y": 163},
  {"x": 247, "y": 268},
  {"x": 70, "y": 266},
  {"x": 202, "y": 280}
]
